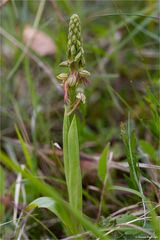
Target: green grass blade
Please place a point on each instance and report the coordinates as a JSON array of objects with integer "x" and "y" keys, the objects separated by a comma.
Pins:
[
  {"x": 102, "y": 163},
  {"x": 125, "y": 189},
  {"x": 155, "y": 221},
  {"x": 25, "y": 150},
  {"x": 75, "y": 178},
  {"x": 129, "y": 140},
  {"x": 2, "y": 191}
]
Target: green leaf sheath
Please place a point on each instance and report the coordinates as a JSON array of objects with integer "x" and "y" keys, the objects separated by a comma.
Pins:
[
  {"x": 75, "y": 179},
  {"x": 72, "y": 161}
]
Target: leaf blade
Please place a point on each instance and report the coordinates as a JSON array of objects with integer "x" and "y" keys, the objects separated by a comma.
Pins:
[
  {"x": 75, "y": 179},
  {"x": 53, "y": 206},
  {"x": 66, "y": 124},
  {"x": 25, "y": 150}
]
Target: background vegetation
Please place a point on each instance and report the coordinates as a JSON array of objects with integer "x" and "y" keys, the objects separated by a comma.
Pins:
[{"x": 121, "y": 42}]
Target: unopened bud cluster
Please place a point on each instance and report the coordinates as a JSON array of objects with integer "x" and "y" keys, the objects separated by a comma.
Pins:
[{"x": 75, "y": 50}]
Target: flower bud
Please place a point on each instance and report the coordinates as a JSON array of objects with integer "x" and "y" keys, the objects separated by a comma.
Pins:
[
  {"x": 72, "y": 80},
  {"x": 84, "y": 73},
  {"x": 73, "y": 51},
  {"x": 64, "y": 64},
  {"x": 78, "y": 56},
  {"x": 81, "y": 96},
  {"x": 62, "y": 76}
]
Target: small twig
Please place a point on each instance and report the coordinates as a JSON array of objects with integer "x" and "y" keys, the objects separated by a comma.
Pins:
[
  {"x": 21, "y": 230},
  {"x": 16, "y": 196},
  {"x": 124, "y": 210},
  {"x": 77, "y": 236},
  {"x": 136, "y": 227}
]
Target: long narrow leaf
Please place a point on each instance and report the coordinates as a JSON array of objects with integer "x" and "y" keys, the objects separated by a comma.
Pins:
[
  {"x": 53, "y": 206},
  {"x": 66, "y": 124},
  {"x": 75, "y": 178},
  {"x": 2, "y": 191},
  {"x": 25, "y": 150},
  {"x": 102, "y": 166},
  {"x": 129, "y": 139},
  {"x": 125, "y": 189},
  {"x": 155, "y": 221}
]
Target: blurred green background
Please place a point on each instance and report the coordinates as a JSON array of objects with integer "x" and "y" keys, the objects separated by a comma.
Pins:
[{"x": 121, "y": 43}]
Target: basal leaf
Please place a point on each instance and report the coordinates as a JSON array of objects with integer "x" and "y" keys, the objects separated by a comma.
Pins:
[
  {"x": 75, "y": 178},
  {"x": 53, "y": 206}
]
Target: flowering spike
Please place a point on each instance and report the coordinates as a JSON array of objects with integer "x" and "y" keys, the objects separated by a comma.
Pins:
[{"x": 76, "y": 79}]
